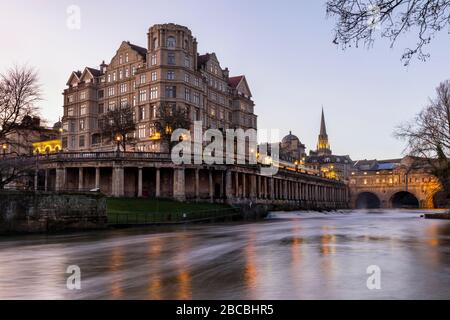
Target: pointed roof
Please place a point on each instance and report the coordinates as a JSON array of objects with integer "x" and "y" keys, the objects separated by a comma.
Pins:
[
  {"x": 235, "y": 81},
  {"x": 323, "y": 126}
]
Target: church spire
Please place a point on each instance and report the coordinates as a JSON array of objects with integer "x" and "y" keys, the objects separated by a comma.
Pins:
[
  {"x": 323, "y": 146},
  {"x": 323, "y": 126}
]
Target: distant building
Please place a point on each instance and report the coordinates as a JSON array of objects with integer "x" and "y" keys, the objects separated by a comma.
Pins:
[
  {"x": 291, "y": 149},
  {"x": 322, "y": 159},
  {"x": 30, "y": 136}
]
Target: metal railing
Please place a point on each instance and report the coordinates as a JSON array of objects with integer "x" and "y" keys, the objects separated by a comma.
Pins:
[{"x": 141, "y": 218}]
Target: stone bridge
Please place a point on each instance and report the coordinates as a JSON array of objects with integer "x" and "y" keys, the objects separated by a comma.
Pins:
[{"x": 406, "y": 183}]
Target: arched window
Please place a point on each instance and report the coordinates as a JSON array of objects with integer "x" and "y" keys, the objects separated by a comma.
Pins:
[{"x": 171, "y": 42}]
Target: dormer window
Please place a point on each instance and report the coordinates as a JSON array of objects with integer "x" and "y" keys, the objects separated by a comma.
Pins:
[{"x": 171, "y": 42}]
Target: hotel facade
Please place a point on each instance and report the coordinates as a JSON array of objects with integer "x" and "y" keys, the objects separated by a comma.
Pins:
[{"x": 169, "y": 74}]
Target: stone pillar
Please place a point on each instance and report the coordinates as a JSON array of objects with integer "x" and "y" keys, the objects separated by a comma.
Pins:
[
  {"x": 97, "y": 178},
  {"x": 285, "y": 190},
  {"x": 258, "y": 187},
  {"x": 252, "y": 187},
  {"x": 46, "y": 181},
  {"x": 118, "y": 182},
  {"x": 236, "y": 184},
  {"x": 222, "y": 185},
  {"x": 244, "y": 185},
  {"x": 229, "y": 185},
  {"x": 80, "y": 179},
  {"x": 60, "y": 179},
  {"x": 211, "y": 187},
  {"x": 158, "y": 183},
  {"x": 179, "y": 190},
  {"x": 197, "y": 184},
  {"x": 36, "y": 176},
  {"x": 271, "y": 188},
  {"x": 139, "y": 182}
]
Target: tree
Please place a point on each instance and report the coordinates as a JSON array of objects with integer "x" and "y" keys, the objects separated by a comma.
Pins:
[
  {"x": 19, "y": 93},
  {"x": 118, "y": 125},
  {"x": 428, "y": 136},
  {"x": 362, "y": 20},
  {"x": 172, "y": 118}
]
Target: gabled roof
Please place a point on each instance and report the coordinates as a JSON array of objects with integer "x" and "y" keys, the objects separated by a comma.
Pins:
[
  {"x": 240, "y": 84},
  {"x": 234, "y": 81},
  {"x": 94, "y": 72},
  {"x": 74, "y": 74},
  {"x": 142, "y": 51}
]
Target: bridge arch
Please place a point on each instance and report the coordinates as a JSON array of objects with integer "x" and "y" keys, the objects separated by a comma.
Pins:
[
  {"x": 368, "y": 200},
  {"x": 404, "y": 200}
]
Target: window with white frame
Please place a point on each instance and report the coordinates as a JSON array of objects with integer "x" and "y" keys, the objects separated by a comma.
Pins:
[
  {"x": 142, "y": 79},
  {"x": 142, "y": 95},
  {"x": 154, "y": 76},
  {"x": 187, "y": 77},
  {"x": 83, "y": 110},
  {"x": 83, "y": 95},
  {"x": 154, "y": 93},
  {"x": 123, "y": 87},
  {"x": 141, "y": 132},
  {"x": 111, "y": 91},
  {"x": 153, "y": 60}
]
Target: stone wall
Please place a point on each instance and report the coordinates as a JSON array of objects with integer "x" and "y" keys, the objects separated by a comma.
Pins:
[{"x": 28, "y": 212}]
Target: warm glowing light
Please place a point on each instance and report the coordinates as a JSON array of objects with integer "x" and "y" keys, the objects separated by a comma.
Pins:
[
  {"x": 5, "y": 146},
  {"x": 51, "y": 146}
]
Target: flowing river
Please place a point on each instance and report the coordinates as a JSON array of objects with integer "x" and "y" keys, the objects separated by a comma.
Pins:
[{"x": 300, "y": 255}]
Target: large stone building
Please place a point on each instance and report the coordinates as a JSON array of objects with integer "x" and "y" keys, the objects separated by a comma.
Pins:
[
  {"x": 169, "y": 73},
  {"x": 323, "y": 160}
]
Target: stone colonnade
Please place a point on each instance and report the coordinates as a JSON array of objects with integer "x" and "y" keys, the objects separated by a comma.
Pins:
[{"x": 231, "y": 184}]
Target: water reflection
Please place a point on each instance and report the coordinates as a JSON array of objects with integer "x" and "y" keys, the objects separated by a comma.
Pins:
[{"x": 295, "y": 256}]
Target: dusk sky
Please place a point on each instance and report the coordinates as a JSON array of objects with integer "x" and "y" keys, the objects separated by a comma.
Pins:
[{"x": 285, "y": 51}]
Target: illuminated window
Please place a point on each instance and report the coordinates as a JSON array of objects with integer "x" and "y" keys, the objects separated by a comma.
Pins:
[{"x": 153, "y": 93}]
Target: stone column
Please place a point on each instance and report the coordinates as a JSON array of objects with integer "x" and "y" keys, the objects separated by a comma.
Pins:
[
  {"x": 46, "y": 181},
  {"x": 271, "y": 188},
  {"x": 179, "y": 190},
  {"x": 252, "y": 187},
  {"x": 236, "y": 184},
  {"x": 229, "y": 185},
  {"x": 139, "y": 182},
  {"x": 36, "y": 176},
  {"x": 97, "y": 178},
  {"x": 285, "y": 190},
  {"x": 244, "y": 186},
  {"x": 80, "y": 179},
  {"x": 222, "y": 185},
  {"x": 118, "y": 182},
  {"x": 197, "y": 184},
  {"x": 211, "y": 187},
  {"x": 158, "y": 182},
  {"x": 60, "y": 179}
]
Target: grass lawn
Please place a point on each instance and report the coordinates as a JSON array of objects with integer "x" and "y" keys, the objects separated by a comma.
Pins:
[{"x": 136, "y": 211}]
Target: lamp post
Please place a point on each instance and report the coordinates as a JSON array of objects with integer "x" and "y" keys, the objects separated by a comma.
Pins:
[
  {"x": 4, "y": 147},
  {"x": 118, "y": 141}
]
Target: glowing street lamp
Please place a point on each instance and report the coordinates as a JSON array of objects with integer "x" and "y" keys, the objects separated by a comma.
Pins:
[
  {"x": 4, "y": 147},
  {"x": 118, "y": 141}
]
